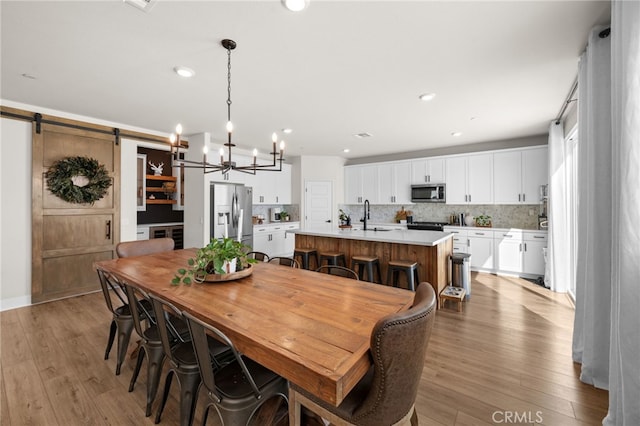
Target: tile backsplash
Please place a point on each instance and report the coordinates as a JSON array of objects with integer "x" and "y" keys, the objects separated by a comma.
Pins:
[{"x": 503, "y": 216}]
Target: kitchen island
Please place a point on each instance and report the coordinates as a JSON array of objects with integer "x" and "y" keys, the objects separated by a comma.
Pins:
[{"x": 431, "y": 249}]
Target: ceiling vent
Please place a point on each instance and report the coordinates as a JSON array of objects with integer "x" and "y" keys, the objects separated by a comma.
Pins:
[
  {"x": 144, "y": 5},
  {"x": 363, "y": 135}
]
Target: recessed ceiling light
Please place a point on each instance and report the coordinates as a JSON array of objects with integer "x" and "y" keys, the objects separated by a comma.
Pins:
[
  {"x": 184, "y": 72},
  {"x": 295, "y": 5},
  {"x": 363, "y": 135},
  {"x": 287, "y": 131},
  {"x": 456, "y": 134},
  {"x": 427, "y": 96},
  {"x": 346, "y": 150}
]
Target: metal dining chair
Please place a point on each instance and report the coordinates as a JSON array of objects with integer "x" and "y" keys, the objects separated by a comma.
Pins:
[
  {"x": 150, "y": 344},
  {"x": 340, "y": 271},
  {"x": 285, "y": 261},
  {"x": 239, "y": 388},
  {"x": 182, "y": 359},
  {"x": 386, "y": 394},
  {"x": 122, "y": 320},
  {"x": 258, "y": 255}
]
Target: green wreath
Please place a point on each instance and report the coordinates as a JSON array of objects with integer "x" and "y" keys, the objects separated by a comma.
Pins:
[{"x": 60, "y": 179}]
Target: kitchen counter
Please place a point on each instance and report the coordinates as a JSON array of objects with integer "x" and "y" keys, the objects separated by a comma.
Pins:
[
  {"x": 385, "y": 235},
  {"x": 430, "y": 249}
]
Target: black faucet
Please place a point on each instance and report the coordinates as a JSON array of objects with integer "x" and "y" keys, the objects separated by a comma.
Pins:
[{"x": 366, "y": 214}]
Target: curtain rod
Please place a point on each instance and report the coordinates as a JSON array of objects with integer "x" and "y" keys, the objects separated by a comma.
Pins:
[
  {"x": 569, "y": 99},
  {"x": 603, "y": 34}
]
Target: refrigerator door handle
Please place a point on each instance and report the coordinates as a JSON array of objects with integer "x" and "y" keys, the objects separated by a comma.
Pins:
[{"x": 235, "y": 210}]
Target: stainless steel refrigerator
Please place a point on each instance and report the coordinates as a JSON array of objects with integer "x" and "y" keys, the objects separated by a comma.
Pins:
[{"x": 231, "y": 203}]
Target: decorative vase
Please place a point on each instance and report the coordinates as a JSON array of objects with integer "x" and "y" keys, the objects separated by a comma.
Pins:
[
  {"x": 469, "y": 220},
  {"x": 230, "y": 266}
]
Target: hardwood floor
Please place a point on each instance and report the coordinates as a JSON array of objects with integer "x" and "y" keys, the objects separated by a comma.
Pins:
[{"x": 506, "y": 359}]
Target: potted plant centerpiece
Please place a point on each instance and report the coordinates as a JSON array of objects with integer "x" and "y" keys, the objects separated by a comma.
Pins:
[
  {"x": 345, "y": 219},
  {"x": 220, "y": 257}
]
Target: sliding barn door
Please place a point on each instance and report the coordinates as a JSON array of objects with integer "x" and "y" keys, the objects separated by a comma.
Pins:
[{"x": 68, "y": 237}]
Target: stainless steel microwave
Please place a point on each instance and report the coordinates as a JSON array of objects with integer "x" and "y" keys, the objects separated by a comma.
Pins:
[{"x": 429, "y": 193}]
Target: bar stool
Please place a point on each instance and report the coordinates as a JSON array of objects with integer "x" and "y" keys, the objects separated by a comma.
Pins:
[
  {"x": 367, "y": 262},
  {"x": 305, "y": 254},
  {"x": 333, "y": 258},
  {"x": 409, "y": 267}
]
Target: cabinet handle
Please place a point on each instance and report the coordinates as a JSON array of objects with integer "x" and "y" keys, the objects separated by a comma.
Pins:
[
  {"x": 520, "y": 247},
  {"x": 507, "y": 236},
  {"x": 523, "y": 198},
  {"x": 276, "y": 198},
  {"x": 538, "y": 236},
  {"x": 469, "y": 197},
  {"x": 519, "y": 197},
  {"x": 468, "y": 242},
  {"x": 525, "y": 246},
  {"x": 426, "y": 179},
  {"x": 108, "y": 236}
]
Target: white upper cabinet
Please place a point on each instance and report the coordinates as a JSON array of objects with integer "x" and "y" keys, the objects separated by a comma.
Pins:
[
  {"x": 361, "y": 183},
  {"x": 469, "y": 179},
  {"x": 394, "y": 186},
  {"x": 271, "y": 187},
  {"x": 518, "y": 175},
  {"x": 427, "y": 170},
  {"x": 535, "y": 172}
]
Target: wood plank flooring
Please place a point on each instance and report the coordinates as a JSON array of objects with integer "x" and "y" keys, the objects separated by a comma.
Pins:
[{"x": 506, "y": 359}]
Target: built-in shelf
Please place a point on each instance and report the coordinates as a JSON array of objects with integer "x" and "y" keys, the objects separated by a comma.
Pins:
[
  {"x": 162, "y": 178},
  {"x": 157, "y": 201},
  {"x": 156, "y": 189}
]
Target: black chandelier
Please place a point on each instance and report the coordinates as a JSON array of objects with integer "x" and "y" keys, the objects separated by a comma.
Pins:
[{"x": 227, "y": 165}]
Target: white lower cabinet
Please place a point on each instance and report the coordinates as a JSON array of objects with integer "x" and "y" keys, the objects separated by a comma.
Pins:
[
  {"x": 460, "y": 241},
  {"x": 481, "y": 250},
  {"x": 274, "y": 240},
  {"x": 504, "y": 251},
  {"x": 508, "y": 249},
  {"x": 534, "y": 244}
]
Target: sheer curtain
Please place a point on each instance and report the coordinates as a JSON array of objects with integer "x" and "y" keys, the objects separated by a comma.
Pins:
[
  {"x": 624, "y": 367},
  {"x": 593, "y": 268},
  {"x": 607, "y": 322},
  {"x": 558, "y": 260}
]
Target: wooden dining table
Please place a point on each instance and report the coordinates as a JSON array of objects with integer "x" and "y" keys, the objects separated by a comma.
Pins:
[{"x": 311, "y": 328}]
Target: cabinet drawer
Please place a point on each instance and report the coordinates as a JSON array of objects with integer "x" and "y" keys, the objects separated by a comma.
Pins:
[
  {"x": 511, "y": 235},
  {"x": 481, "y": 234},
  {"x": 536, "y": 236}
]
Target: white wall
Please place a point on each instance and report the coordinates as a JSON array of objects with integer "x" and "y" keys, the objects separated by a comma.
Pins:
[
  {"x": 128, "y": 189},
  {"x": 15, "y": 214}
]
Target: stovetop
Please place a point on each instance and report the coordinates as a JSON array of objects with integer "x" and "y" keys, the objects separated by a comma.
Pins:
[{"x": 427, "y": 226}]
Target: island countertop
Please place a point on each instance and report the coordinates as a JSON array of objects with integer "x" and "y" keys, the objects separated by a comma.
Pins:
[{"x": 387, "y": 235}]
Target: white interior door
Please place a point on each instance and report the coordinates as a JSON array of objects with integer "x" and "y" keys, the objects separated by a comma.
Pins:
[{"x": 318, "y": 202}]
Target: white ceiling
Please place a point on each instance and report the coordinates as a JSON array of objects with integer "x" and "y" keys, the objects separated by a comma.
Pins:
[{"x": 501, "y": 70}]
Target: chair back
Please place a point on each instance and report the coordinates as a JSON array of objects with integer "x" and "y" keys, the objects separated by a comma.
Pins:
[
  {"x": 286, "y": 261},
  {"x": 340, "y": 271},
  {"x": 140, "y": 306},
  {"x": 258, "y": 255},
  {"x": 107, "y": 282},
  {"x": 198, "y": 331},
  {"x": 166, "y": 315},
  {"x": 398, "y": 348},
  {"x": 144, "y": 247}
]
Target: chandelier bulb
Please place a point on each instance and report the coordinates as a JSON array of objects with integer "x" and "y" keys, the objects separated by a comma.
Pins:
[
  {"x": 172, "y": 138},
  {"x": 274, "y": 138},
  {"x": 205, "y": 149},
  {"x": 281, "y": 145},
  {"x": 179, "y": 129},
  {"x": 229, "y": 126}
]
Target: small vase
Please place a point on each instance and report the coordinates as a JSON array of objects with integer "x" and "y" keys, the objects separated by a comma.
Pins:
[{"x": 230, "y": 266}]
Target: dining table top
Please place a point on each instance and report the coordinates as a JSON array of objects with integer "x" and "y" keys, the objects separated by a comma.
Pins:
[{"x": 311, "y": 328}]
